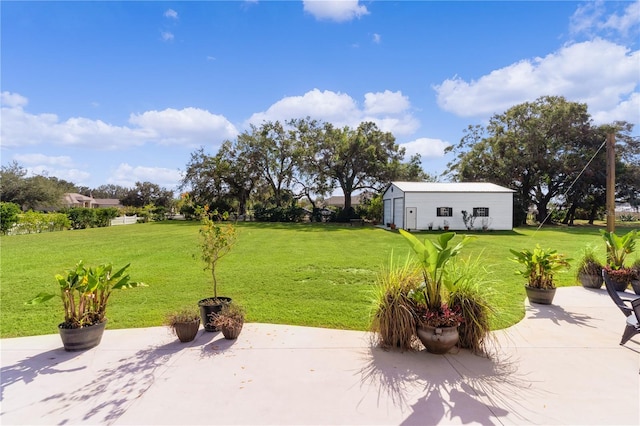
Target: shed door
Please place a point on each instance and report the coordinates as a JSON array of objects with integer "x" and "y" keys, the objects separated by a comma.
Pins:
[
  {"x": 387, "y": 212},
  {"x": 412, "y": 218},
  {"x": 398, "y": 212}
]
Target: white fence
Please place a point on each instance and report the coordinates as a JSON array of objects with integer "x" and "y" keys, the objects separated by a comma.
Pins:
[{"x": 124, "y": 220}]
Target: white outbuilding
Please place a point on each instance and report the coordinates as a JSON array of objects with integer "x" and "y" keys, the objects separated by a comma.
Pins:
[{"x": 421, "y": 205}]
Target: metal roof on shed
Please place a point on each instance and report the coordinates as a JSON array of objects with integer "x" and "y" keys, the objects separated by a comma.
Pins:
[{"x": 450, "y": 187}]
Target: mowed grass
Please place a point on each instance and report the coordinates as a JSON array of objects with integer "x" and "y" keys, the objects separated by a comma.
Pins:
[{"x": 319, "y": 275}]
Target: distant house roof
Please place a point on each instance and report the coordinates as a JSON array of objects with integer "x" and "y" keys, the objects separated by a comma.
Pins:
[
  {"x": 450, "y": 187},
  {"x": 107, "y": 202},
  {"x": 73, "y": 199},
  {"x": 338, "y": 200}
]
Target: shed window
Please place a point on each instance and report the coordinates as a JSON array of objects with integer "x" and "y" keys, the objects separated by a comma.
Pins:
[
  {"x": 481, "y": 211},
  {"x": 445, "y": 211}
]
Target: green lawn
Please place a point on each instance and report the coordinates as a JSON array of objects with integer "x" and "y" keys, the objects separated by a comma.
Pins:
[{"x": 314, "y": 275}]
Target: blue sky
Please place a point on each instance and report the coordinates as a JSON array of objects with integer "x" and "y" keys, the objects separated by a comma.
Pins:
[{"x": 119, "y": 92}]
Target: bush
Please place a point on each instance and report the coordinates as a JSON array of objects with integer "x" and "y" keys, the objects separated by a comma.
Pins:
[
  {"x": 8, "y": 216},
  {"x": 81, "y": 217}
]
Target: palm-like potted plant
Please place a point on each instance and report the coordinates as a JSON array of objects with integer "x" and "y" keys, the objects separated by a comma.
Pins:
[
  {"x": 618, "y": 247},
  {"x": 589, "y": 271},
  {"x": 539, "y": 267},
  {"x": 217, "y": 238},
  {"x": 184, "y": 323},
  {"x": 437, "y": 320},
  {"x": 229, "y": 320},
  {"x": 85, "y": 293}
]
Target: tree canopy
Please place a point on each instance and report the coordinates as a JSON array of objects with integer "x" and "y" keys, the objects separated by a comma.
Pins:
[{"x": 540, "y": 149}]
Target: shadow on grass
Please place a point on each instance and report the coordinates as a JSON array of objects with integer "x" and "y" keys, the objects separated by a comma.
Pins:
[{"x": 440, "y": 388}]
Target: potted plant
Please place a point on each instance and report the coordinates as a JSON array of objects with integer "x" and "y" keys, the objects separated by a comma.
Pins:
[
  {"x": 217, "y": 238},
  {"x": 229, "y": 320},
  {"x": 539, "y": 267},
  {"x": 393, "y": 316},
  {"x": 430, "y": 226},
  {"x": 184, "y": 323},
  {"x": 437, "y": 321},
  {"x": 589, "y": 271},
  {"x": 446, "y": 225},
  {"x": 635, "y": 281},
  {"x": 85, "y": 293},
  {"x": 618, "y": 247}
]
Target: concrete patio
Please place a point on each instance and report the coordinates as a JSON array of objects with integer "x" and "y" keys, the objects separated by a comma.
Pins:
[{"x": 561, "y": 365}]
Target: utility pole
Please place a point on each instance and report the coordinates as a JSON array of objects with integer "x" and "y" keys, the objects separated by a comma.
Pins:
[{"x": 611, "y": 182}]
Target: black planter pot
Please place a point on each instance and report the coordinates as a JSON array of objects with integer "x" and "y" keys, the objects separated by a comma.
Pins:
[
  {"x": 542, "y": 296},
  {"x": 590, "y": 281},
  {"x": 207, "y": 309},
  {"x": 80, "y": 339}
]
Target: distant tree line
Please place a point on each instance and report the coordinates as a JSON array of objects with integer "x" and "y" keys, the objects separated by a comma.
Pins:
[
  {"x": 548, "y": 151},
  {"x": 276, "y": 166}
]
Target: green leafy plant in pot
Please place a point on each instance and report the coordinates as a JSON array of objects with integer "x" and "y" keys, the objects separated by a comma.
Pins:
[
  {"x": 217, "y": 238},
  {"x": 539, "y": 267},
  {"x": 437, "y": 321},
  {"x": 85, "y": 293},
  {"x": 184, "y": 323},
  {"x": 618, "y": 248}
]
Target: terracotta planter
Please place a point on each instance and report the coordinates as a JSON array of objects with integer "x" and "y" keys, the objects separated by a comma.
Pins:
[
  {"x": 590, "y": 281},
  {"x": 187, "y": 331},
  {"x": 438, "y": 340},
  {"x": 231, "y": 333},
  {"x": 80, "y": 339},
  {"x": 207, "y": 310},
  {"x": 542, "y": 296}
]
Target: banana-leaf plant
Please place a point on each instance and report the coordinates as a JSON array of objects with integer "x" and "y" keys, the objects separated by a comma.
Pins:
[
  {"x": 618, "y": 247},
  {"x": 85, "y": 292},
  {"x": 433, "y": 257},
  {"x": 539, "y": 265}
]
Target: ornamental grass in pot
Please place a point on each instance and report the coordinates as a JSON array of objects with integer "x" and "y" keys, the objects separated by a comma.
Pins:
[
  {"x": 393, "y": 320},
  {"x": 589, "y": 271},
  {"x": 229, "y": 320},
  {"x": 184, "y": 323},
  {"x": 85, "y": 293}
]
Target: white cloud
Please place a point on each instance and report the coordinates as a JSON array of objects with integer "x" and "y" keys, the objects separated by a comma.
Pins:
[
  {"x": 592, "y": 18},
  {"x": 598, "y": 72},
  {"x": 189, "y": 126},
  {"x": 127, "y": 176},
  {"x": 377, "y": 38},
  {"x": 41, "y": 159},
  {"x": 385, "y": 102},
  {"x": 425, "y": 147},
  {"x": 387, "y": 109},
  {"x": 13, "y": 100},
  {"x": 335, "y": 10},
  {"x": 170, "y": 13},
  {"x": 166, "y": 36}
]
